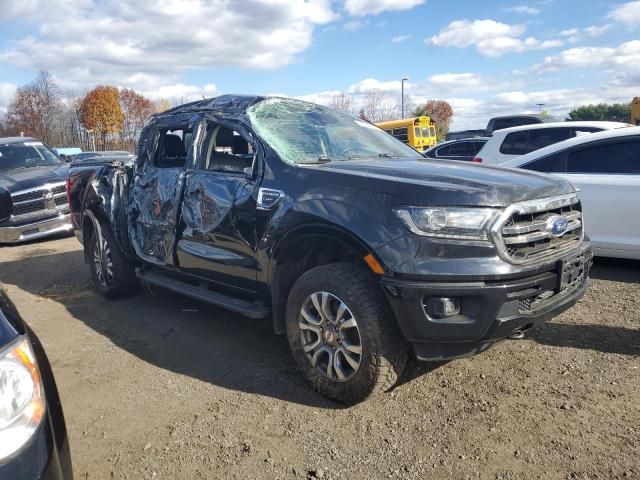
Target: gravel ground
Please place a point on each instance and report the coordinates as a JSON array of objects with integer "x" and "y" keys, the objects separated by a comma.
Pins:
[{"x": 158, "y": 386}]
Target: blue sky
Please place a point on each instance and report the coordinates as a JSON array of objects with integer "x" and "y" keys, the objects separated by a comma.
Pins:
[{"x": 485, "y": 58}]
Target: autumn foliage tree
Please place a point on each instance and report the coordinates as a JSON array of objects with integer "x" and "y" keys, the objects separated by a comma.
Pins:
[
  {"x": 100, "y": 112},
  {"x": 440, "y": 112}
]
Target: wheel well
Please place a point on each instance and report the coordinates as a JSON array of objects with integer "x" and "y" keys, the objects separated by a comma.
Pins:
[{"x": 301, "y": 255}]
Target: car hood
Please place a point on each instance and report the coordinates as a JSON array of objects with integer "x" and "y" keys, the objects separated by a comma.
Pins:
[
  {"x": 444, "y": 183},
  {"x": 26, "y": 178}
]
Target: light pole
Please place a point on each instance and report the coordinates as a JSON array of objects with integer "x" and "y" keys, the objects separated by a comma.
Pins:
[
  {"x": 540, "y": 105},
  {"x": 402, "y": 88}
]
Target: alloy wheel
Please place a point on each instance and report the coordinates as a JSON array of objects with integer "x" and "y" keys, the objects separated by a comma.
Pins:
[{"x": 330, "y": 336}]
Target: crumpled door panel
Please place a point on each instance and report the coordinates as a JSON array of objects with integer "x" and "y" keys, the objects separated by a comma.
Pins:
[
  {"x": 154, "y": 204},
  {"x": 218, "y": 229}
]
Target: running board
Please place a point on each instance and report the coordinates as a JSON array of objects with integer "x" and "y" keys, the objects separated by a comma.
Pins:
[{"x": 233, "y": 304}]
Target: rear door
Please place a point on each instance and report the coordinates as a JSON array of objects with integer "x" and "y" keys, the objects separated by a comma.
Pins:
[
  {"x": 156, "y": 189},
  {"x": 217, "y": 232}
]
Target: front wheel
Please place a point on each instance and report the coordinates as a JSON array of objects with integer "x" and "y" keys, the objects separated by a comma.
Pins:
[
  {"x": 112, "y": 273},
  {"x": 342, "y": 333}
]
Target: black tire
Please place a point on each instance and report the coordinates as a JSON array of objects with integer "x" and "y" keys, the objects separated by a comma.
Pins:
[
  {"x": 384, "y": 351},
  {"x": 120, "y": 279}
]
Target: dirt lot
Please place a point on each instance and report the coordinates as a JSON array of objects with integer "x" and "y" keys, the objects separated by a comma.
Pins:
[{"x": 161, "y": 386}]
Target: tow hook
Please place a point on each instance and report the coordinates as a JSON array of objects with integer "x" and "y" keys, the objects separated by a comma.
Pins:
[{"x": 519, "y": 333}]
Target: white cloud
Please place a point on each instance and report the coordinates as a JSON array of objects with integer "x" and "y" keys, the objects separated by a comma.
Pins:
[
  {"x": 627, "y": 13},
  {"x": 182, "y": 93},
  {"x": 491, "y": 38},
  {"x": 622, "y": 61},
  {"x": 459, "y": 81},
  {"x": 354, "y": 25},
  {"x": 524, "y": 9},
  {"x": 374, "y": 7},
  {"x": 401, "y": 38},
  {"x": 369, "y": 84},
  {"x": 111, "y": 41},
  {"x": 6, "y": 92},
  {"x": 575, "y": 35}
]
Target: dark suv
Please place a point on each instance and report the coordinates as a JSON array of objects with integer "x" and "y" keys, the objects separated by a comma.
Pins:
[{"x": 358, "y": 248}]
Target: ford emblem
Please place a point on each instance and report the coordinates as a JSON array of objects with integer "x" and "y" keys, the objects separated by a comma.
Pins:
[{"x": 557, "y": 225}]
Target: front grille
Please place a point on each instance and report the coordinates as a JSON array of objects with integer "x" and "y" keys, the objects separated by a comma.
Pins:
[
  {"x": 526, "y": 234},
  {"x": 26, "y": 196},
  {"x": 59, "y": 201},
  {"x": 26, "y": 208},
  {"x": 39, "y": 201}
]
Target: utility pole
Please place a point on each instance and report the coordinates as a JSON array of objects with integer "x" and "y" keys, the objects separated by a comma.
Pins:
[{"x": 402, "y": 88}]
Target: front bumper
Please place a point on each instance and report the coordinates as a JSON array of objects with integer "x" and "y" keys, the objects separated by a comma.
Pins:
[
  {"x": 489, "y": 310},
  {"x": 39, "y": 229}
]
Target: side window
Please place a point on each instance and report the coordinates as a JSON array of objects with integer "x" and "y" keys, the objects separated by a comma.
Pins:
[
  {"x": 173, "y": 146},
  {"x": 227, "y": 150},
  {"x": 621, "y": 157},
  {"x": 555, "y": 163},
  {"x": 516, "y": 143},
  {"x": 461, "y": 149},
  {"x": 547, "y": 136},
  {"x": 443, "y": 151},
  {"x": 575, "y": 132},
  {"x": 478, "y": 146},
  {"x": 401, "y": 134}
]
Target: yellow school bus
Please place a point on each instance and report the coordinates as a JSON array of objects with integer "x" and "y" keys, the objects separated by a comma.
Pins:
[
  {"x": 635, "y": 111},
  {"x": 417, "y": 132}
]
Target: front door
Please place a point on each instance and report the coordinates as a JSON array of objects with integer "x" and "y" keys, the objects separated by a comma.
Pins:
[
  {"x": 217, "y": 233},
  {"x": 156, "y": 190}
]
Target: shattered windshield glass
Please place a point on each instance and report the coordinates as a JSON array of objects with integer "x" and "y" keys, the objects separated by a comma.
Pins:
[
  {"x": 26, "y": 155},
  {"x": 305, "y": 133}
]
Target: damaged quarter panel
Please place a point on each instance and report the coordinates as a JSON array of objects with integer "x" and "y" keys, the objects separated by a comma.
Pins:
[{"x": 155, "y": 194}]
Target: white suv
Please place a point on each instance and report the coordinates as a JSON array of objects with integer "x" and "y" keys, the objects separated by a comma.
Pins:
[{"x": 510, "y": 143}]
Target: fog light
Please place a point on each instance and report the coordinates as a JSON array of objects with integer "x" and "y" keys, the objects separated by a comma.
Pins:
[{"x": 441, "y": 307}]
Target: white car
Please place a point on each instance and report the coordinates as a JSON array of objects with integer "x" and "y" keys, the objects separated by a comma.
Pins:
[
  {"x": 509, "y": 143},
  {"x": 605, "y": 167}
]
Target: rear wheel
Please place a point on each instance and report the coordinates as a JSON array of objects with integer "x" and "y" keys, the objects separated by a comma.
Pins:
[
  {"x": 342, "y": 333},
  {"x": 112, "y": 274}
]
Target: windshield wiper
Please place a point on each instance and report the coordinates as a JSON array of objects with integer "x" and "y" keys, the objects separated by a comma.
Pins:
[{"x": 387, "y": 155}]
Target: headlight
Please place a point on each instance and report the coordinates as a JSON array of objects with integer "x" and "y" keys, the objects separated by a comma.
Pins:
[
  {"x": 456, "y": 223},
  {"x": 22, "y": 402}
]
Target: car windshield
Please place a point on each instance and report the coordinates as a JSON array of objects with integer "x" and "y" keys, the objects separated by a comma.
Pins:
[
  {"x": 305, "y": 133},
  {"x": 26, "y": 155}
]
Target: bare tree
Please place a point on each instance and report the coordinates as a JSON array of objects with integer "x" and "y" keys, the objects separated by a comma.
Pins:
[
  {"x": 35, "y": 107},
  {"x": 342, "y": 102},
  {"x": 380, "y": 106},
  {"x": 136, "y": 109}
]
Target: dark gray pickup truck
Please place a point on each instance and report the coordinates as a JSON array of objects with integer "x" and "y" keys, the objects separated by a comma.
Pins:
[
  {"x": 33, "y": 201},
  {"x": 358, "y": 248}
]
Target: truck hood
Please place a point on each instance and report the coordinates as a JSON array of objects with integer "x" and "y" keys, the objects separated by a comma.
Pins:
[
  {"x": 443, "y": 183},
  {"x": 26, "y": 178}
]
